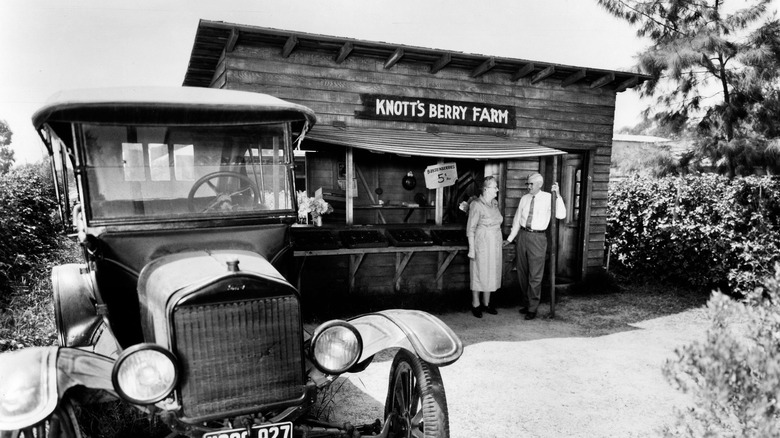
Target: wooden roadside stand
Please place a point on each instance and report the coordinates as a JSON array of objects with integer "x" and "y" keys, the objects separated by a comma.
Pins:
[{"x": 405, "y": 134}]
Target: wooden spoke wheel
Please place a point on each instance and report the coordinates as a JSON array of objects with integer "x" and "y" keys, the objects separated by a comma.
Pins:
[{"x": 416, "y": 404}]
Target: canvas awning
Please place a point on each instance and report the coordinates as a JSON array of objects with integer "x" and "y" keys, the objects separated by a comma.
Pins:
[{"x": 426, "y": 144}]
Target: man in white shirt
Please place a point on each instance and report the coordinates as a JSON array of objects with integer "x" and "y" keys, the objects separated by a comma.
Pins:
[{"x": 530, "y": 225}]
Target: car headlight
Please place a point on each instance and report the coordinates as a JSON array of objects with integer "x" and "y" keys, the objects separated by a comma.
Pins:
[
  {"x": 145, "y": 374},
  {"x": 336, "y": 346}
]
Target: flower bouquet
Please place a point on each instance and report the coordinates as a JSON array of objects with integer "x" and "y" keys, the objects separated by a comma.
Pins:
[{"x": 316, "y": 207}]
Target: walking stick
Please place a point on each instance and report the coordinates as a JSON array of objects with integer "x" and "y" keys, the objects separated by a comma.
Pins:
[{"x": 553, "y": 238}]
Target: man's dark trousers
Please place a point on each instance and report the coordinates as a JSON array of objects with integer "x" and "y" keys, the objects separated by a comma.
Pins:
[{"x": 531, "y": 250}]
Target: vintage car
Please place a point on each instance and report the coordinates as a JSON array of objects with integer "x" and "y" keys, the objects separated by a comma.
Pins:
[{"x": 183, "y": 306}]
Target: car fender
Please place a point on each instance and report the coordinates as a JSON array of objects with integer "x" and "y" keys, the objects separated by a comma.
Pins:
[
  {"x": 420, "y": 332},
  {"x": 33, "y": 380},
  {"x": 75, "y": 312}
]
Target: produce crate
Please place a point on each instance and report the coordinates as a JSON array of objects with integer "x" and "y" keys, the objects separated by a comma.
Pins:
[
  {"x": 409, "y": 237},
  {"x": 363, "y": 239},
  {"x": 314, "y": 240},
  {"x": 449, "y": 237}
]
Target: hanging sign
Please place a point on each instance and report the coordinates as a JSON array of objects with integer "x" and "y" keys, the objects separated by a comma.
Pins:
[
  {"x": 440, "y": 175},
  {"x": 448, "y": 112}
]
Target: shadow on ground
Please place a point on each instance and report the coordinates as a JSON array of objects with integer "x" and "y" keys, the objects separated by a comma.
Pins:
[{"x": 575, "y": 315}]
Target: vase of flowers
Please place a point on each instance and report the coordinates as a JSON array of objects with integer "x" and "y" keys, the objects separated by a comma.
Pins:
[{"x": 316, "y": 207}]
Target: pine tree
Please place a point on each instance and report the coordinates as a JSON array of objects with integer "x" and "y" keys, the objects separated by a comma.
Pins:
[{"x": 715, "y": 71}]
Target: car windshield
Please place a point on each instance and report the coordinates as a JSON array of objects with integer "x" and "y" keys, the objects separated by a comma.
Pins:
[{"x": 158, "y": 172}]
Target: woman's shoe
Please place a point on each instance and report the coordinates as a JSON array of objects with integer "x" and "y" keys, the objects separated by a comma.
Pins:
[
  {"x": 476, "y": 311},
  {"x": 490, "y": 309}
]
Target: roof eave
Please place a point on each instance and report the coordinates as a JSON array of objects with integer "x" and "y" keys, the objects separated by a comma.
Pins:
[{"x": 214, "y": 37}]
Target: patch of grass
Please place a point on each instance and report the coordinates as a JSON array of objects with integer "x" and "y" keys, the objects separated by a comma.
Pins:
[{"x": 28, "y": 318}]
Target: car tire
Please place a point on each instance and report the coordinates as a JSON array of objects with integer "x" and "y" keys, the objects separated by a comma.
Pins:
[
  {"x": 60, "y": 424},
  {"x": 416, "y": 403}
]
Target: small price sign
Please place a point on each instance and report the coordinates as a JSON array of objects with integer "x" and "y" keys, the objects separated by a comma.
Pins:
[{"x": 440, "y": 175}]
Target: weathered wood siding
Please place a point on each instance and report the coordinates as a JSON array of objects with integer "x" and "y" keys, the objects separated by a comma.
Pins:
[{"x": 571, "y": 118}]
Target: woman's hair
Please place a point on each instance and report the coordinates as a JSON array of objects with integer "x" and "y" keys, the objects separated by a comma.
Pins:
[{"x": 486, "y": 182}]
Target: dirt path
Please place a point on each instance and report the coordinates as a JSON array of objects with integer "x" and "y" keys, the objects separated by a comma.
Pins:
[{"x": 543, "y": 378}]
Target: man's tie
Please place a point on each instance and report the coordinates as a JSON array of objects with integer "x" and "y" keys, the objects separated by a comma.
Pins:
[{"x": 530, "y": 213}]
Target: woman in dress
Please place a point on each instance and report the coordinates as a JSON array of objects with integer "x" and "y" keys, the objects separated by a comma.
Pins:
[{"x": 483, "y": 230}]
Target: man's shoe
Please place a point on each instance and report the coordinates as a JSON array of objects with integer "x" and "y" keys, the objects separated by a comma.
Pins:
[
  {"x": 523, "y": 310},
  {"x": 476, "y": 311},
  {"x": 490, "y": 309},
  {"x": 530, "y": 315}
]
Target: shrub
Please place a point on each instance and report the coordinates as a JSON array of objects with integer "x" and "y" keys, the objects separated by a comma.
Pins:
[
  {"x": 696, "y": 230},
  {"x": 27, "y": 222},
  {"x": 734, "y": 374}
]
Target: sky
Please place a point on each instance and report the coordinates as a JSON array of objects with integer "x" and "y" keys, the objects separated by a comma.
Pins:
[{"x": 51, "y": 45}]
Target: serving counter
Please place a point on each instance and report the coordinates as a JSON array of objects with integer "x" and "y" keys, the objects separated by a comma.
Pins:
[{"x": 383, "y": 259}]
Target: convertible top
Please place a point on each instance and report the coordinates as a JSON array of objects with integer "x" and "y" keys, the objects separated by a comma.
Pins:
[{"x": 168, "y": 105}]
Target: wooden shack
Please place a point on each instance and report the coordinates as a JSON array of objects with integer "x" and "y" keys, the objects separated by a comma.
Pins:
[{"x": 389, "y": 115}]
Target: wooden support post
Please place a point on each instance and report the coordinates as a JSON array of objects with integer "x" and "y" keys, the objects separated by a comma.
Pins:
[
  {"x": 554, "y": 239},
  {"x": 349, "y": 193},
  {"x": 354, "y": 264},
  {"x": 401, "y": 260},
  {"x": 439, "y": 205},
  {"x": 444, "y": 264}
]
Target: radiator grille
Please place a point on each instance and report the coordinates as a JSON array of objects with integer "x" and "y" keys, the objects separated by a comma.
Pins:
[{"x": 238, "y": 355}]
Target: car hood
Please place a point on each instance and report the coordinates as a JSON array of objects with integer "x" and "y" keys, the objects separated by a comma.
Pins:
[{"x": 175, "y": 277}]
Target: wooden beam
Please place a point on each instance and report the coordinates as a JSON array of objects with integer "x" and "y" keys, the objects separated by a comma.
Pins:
[
  {"x": 484, "y": 67},
  {"x": 443, "y": 264},
  {"x": 401, "y": 260},
  {"x": 394, "y": 58},
  {"x": 346, "y": 49},
  {"x": 350, "y": 165},
  {"x": 574, "y": 77},
  {"x": 543, "y": 74},
  {"x": 354, "y": 264},
  {"x": 231, "y": 42},
  {"x": 441, "y": 63},
  {"x": 628, "y": 83},
  {"x": 604, "y": 80},
  {"x": 289, "y": 46},
  {"x": 524, "y": 71}
]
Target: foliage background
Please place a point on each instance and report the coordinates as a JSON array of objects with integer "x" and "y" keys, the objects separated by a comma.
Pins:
[
  {"x": 29, "y": 246},
  {"x": 733, "y": 374},
  {"x": 702, "y": 231},
  {"x": 28, "y": 219}
]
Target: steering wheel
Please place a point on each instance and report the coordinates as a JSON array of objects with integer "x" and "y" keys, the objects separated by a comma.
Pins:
[{"x": 224, "y": 201}]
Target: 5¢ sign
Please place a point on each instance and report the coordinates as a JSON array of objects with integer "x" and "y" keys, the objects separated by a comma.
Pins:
[{"x": 441, "y": 175}]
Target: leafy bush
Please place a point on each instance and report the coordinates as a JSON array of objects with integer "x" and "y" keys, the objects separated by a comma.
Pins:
[
  {"x": 700, "y": 231},
  {"x": 27, "y": 222},
  {"x": 734, "y": 374}
]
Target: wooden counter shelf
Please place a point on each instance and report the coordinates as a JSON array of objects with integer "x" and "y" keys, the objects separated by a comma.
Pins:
[
  {"x": 379, "y": 208},
  {"x": 403, "y": 255}
]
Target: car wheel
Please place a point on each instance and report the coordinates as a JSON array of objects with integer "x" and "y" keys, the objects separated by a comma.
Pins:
[
  {"x": 60, "y": 424},
  {"x": 416, "y": 405}
]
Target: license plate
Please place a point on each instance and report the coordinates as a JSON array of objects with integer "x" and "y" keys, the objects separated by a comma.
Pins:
[{"x": 275, "y": 430}]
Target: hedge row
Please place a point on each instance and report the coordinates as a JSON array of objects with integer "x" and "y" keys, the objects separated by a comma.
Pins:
[
  {"x": 700, "y": 231},
  {"x": 28, "y": 222}
]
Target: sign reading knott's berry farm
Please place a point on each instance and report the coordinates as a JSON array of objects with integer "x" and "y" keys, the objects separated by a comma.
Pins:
[{"x": 410, "y": 109}]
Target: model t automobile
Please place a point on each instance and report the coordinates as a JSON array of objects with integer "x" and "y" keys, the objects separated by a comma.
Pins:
[{"x": 183, "y": 306}]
